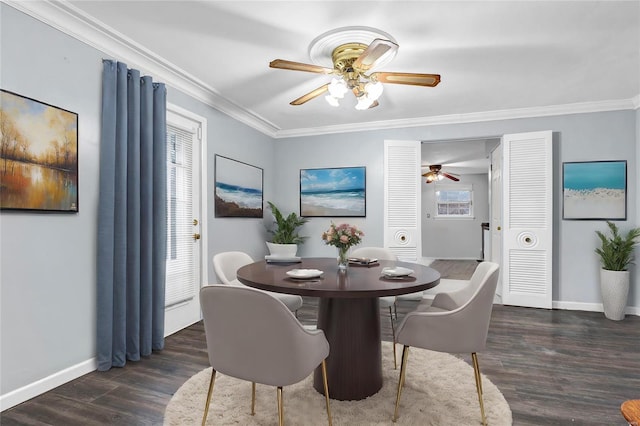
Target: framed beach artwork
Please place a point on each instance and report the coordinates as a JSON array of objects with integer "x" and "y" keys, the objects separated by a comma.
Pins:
[
  {"x": 238, "y": 188},
  {"x": 333, "y": 192},
  {"x": 38, "y": 155},
  {"x": 594, "y": 190}
]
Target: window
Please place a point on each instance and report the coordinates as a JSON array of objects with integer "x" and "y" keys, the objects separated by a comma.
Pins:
[
  {"x": 454, "y": 201},
  {"x": 180, "y": 285}
]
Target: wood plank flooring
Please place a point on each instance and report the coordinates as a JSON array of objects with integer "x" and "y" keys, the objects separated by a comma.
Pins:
[{"x": 554, "y": 367}]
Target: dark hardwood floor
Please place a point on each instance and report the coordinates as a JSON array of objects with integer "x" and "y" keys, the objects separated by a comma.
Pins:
[{"x": 554, "y": 367}]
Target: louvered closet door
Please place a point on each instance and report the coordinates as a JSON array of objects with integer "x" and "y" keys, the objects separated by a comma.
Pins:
[
  {"x": 527, "y": 220},
  {"x": 402, "y": 231}
]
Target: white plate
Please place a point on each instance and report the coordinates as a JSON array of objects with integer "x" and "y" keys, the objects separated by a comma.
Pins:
[
  {"x": 282, "y": 259},
  {"x": 398, "y": 271},
  {"x": 304, "y": 273}
]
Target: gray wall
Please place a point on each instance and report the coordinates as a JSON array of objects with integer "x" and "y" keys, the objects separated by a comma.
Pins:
[
  {"x": 232, "y": 139},
  {"x": 47, "y": 318},
  {"x": 577, "y": 137},
  {"x": 47, "y": 277},
  {"x": 48, "y": 266},
  {"x": 444, "y": 238}
]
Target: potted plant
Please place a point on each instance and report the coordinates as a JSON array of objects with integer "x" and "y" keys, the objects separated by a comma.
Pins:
[
  {"x": 285, "y": 238},
  {"x": 616, "y": 254}
]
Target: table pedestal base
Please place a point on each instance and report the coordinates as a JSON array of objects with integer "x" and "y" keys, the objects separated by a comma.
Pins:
[{"x": 354, "y": 365}]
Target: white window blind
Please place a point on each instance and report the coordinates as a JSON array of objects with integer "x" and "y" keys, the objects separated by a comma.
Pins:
[{"x": 180, "y": 282}]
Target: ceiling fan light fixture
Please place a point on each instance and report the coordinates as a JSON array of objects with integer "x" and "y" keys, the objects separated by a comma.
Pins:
[
  {"x": 332, "y": 100},
  {"x": 337, "y": 88},
  {"x": 354, "y": 53},
  {"x": 364, "y": 102},
  {"x": 374, "y": 90}
]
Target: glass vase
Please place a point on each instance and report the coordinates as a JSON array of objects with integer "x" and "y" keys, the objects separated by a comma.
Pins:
[{"x": 343, "y": 259}]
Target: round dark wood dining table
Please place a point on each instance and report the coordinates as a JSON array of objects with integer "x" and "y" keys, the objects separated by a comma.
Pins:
[{"x": 348, "y": 313}]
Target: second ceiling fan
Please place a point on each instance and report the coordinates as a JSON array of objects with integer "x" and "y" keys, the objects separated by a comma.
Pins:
[
  {"x": 352, "y": 65},
  {"x": 436, "y": 173}
]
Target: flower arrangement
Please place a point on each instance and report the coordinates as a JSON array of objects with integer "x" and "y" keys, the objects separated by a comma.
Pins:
[{"x": 342, "y": 236}]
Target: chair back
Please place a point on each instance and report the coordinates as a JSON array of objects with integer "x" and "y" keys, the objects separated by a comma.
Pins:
[
  {"x": 380, "y": 253},
  {"x": 464, "y": 316},
  {"x": 253, "y": 336},
  {"x": 226, "y": 264},
  {"x": 454, "y": 299}
]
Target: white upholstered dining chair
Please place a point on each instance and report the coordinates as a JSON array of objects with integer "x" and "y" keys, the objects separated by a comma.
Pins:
[
  {"x": 456, "y": 322},
  {"x": 253, "y": 336},
  {"x": 226, "y": 265},
  {"x": 388, "y": 302}
]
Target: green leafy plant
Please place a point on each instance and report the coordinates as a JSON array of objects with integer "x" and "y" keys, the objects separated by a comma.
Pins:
[
  {"x": 285, "y": 231},
  {"x": 616, "y": 251}
]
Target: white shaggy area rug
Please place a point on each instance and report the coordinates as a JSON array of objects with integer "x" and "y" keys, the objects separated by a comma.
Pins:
[{"x": 439, "y": 390}]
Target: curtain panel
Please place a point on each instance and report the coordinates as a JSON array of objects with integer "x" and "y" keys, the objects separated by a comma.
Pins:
[{"x": 132, "y": 208}]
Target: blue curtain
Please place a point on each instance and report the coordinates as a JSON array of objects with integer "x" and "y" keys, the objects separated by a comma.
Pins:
[{"x": 131, "y": 217}]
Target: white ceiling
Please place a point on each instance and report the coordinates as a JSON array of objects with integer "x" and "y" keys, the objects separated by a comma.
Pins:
[{"x": 496, "y": 59}]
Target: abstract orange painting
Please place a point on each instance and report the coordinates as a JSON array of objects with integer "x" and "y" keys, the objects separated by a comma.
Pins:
[{"x": 38, "y": 155}]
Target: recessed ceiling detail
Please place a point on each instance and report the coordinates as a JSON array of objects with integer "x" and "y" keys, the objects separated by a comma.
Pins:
[{"x": 322, "y": 47}]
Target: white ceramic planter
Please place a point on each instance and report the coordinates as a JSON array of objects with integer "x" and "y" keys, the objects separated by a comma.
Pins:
[
  {"x": 282, "y": 250},
  {"x": 614, "y": 286}
]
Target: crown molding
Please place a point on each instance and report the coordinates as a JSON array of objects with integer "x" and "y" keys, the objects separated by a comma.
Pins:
[
  {"x": 475, "y": 117},
  {"x": 74, "y": 22}
]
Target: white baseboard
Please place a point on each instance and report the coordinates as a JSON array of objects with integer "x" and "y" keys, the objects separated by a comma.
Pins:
[
  {"x": 457, "y": 258},
  {"x": 592, "y": 307},
  {"x": 41, "y": 386}
]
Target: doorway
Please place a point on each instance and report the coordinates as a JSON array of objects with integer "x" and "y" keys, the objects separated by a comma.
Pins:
[
  {"x": 185, "y": 267},
  {"x": 458, "y": 232}
]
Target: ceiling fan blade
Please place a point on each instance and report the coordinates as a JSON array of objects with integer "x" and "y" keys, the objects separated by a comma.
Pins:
[
  {"x": 374, "y": 104},
  {"x": 311, "y": 95},
  {"x": 378, "y": 50},
  {"x": 447, "y": 175},
  {"x": 299, "y": 66},
  {"x": 427, "y": 80}
]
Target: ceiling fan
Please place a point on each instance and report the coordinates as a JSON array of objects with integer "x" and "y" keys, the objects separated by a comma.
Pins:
[
  {"x": 435, "y": 173},
  {"x": 352, "y": 65}
]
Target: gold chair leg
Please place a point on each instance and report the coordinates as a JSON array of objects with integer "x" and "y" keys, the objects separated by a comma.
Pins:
[
  {"x": 253, "y": 398},
  {"x": 206, "y": 404},
  {"x": 403, "y": 370},
  {"x": 280, "y": 407},
  {"x": 476, "y": 370},
  {"x": 326, "y": 390},
  {"x": 393, "y": 334}
]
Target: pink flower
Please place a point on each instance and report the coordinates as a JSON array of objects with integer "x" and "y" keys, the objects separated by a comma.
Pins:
[{"x": 342, "y": 235}]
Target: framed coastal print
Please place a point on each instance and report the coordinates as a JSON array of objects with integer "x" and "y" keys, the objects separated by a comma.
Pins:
[
  {"x": 38, "y": 155},
  {"x": 333, "y": 192},
  {"x": 238, "y": 188},
  {"x": 594, "y": 190}
]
